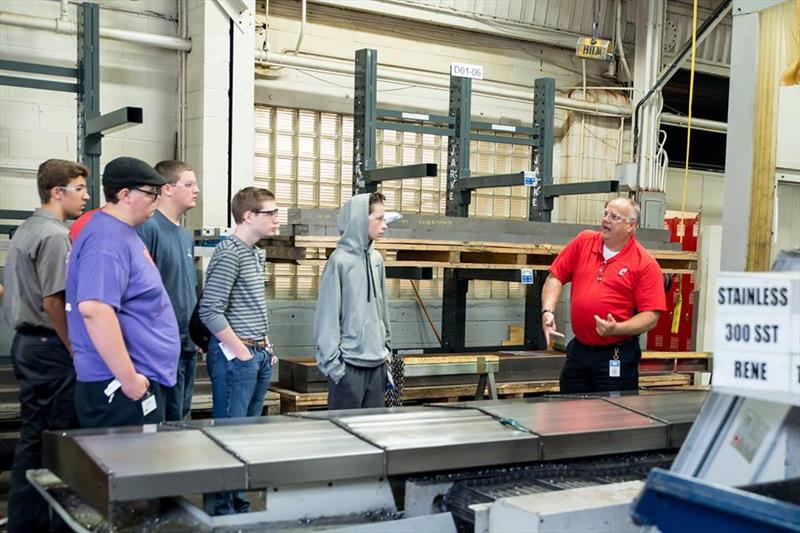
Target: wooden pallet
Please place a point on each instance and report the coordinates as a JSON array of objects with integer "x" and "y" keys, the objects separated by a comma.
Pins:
[
  {"x": 658, "y": 381},
  {"x": 201, "y": 405},
  {"x": 294, "y": 402},
  {"x": 310, "y": 250},
  {"x": 675, "y": 362}
]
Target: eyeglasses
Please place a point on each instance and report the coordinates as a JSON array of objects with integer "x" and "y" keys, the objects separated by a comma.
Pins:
[
  {"x": 75, "y": 188},
  {"x": 154, "y": 194},
  {"x": 615, "y": 217},
  {"x": 270, "y": 212}
]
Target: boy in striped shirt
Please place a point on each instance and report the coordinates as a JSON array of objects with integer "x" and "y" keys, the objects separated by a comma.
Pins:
[{"x": 234, "y": 309}]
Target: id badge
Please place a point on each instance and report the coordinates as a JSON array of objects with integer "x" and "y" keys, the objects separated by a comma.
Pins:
[
  {"x": 226, "y": 352},
  {"x": 149, "y": 404},
  {"x": 613, "y": 368},
  {"x": 111, "y": 390}
]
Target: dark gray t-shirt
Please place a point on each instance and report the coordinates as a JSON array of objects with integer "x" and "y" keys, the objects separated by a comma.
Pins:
[
  {"x": 36, "y": 266},
  {"x": 172, "y": 250}
]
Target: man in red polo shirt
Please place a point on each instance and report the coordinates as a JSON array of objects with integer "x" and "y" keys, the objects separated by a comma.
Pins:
[{"x": 617, "y": 293}]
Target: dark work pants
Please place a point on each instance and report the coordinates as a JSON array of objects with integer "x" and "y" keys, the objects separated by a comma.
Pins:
[
  {"x": 179, "y": 398},
  {"x": 43, "y": 367},
  {"x": 359, "y": 387},
  {"x": 586, "y": 369},
  {"x": 95, "y": 411}
]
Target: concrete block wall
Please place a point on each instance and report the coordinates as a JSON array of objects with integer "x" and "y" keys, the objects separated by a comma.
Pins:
[
  {"x": 36, "y": 125},
  {"x": 292, "y": 321}
]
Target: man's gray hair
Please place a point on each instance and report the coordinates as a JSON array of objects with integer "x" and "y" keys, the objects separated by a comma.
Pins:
[{"x": 633, "y": 205}]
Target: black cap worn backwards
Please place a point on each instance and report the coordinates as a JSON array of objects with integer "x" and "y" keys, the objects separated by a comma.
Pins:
[{"x": 125, "y": 172}]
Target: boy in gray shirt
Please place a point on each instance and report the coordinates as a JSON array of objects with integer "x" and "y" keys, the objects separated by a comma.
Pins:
[
  {"x": 35, "y": 275},
  {"x": 172, "y": 249}
]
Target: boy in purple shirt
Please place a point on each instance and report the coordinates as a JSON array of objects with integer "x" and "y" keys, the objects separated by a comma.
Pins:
[{"x": 122, "y": 327}]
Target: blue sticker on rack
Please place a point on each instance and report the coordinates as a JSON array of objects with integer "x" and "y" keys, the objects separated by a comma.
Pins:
[{"x": 526, "y": 276}]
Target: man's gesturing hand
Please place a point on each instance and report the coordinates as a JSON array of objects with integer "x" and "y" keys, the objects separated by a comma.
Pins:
[
  {"x": 549, "y": 327},
  {"x": 605, "y": 327}
]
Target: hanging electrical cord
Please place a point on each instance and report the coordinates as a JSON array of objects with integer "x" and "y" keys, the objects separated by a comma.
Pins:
[
  {"x": 618, "y": 36},
  {"x": 662, "y": 162},
  {"x": 689, "y": 122}
]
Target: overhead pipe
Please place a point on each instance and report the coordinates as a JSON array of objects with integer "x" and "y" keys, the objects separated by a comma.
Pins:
[
  {"x": 70, "y": 28},
  {"x": 483, "y": 88},
  {"x": 346, "y": 67},
  {"x": 704, "y": 124}
]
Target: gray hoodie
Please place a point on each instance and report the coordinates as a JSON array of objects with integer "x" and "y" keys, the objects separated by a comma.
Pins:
[{"x": 351, "y": 321}]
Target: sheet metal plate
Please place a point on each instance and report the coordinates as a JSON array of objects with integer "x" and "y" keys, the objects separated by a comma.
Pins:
[
  {"x": 282, "y": 450},
  {"x": 443, "y": 439},
  {"x": 679, "y": 409},
  {"x": 580, "y": 428},
  {"x": 131, "y": 463}
]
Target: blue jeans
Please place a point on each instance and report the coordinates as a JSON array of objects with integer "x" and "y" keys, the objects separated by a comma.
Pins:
[
  {"x": 238, "y": 389},
  {"x": 179, "y": 397}
]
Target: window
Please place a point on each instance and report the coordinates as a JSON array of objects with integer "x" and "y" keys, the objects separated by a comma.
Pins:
[{"x": 305, "y": 158}]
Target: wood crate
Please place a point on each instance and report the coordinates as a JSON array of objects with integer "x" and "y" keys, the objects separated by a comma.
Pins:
[{"x": 294, "y": 402}]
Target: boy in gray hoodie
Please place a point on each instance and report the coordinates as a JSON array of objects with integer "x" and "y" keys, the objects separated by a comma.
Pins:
[{"x": 351, "y": 322}]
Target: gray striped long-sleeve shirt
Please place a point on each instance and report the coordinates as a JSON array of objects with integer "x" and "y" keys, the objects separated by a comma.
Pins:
[{"x": 234, "y": 291}]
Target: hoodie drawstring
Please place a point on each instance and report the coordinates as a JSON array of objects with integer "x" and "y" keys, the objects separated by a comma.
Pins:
[{"x": 370, "y": 278}]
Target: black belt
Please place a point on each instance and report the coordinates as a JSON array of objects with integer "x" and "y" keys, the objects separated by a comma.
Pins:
[
  {"x": 36, "y": 331},
  {"x": 609, "y": 347},
  {"x": 259, "y": 344}
]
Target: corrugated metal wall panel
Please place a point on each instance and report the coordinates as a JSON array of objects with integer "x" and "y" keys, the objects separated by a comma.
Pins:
[
  {"x": 573, "y": 16},
  {"x": 576, "y": 16},
  {"x": 716, "y": 48}
]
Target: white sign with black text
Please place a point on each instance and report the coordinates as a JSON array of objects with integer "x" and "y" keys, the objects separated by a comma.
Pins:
[
  {"x": 757, "y": 335},
  {"x": 465, "y": 70}
]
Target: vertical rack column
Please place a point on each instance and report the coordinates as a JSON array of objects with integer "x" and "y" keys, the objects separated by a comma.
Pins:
[
  {"x": 88, "y": 108},
  {"x": 541, "y": 206},
  {"x": 454, "y": 298},
  {"x": 364, "y": 119}
]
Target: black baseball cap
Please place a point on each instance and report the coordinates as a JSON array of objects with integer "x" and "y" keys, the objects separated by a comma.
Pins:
[{"x": 125, "y": 172}]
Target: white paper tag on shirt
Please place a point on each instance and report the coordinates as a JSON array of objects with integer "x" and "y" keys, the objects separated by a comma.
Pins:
[
  {"x": 226, "y": 352},
  {"x": 613, "y": 368},
  {"x": 112, "y": 388},
  {"x": 149, "y": 404}
]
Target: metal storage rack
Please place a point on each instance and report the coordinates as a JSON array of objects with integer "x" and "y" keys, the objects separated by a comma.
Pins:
[{"x": 460, "y": 130}]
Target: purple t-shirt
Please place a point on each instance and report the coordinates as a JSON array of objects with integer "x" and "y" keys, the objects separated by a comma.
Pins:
[{"x": 110, "y": 263}]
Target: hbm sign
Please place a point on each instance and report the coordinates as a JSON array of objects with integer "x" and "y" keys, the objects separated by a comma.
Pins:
[{"x": 757, "y": 335}]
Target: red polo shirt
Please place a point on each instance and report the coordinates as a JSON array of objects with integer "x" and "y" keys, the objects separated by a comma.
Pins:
[
  {"x": 629, "y": 282},
  {"x": 77, "y": 226}
]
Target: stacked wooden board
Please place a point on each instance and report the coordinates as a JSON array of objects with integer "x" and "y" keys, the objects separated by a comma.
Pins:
[
  {"x": 471, "y": 255},
  {"x": 311, "y": 235}
]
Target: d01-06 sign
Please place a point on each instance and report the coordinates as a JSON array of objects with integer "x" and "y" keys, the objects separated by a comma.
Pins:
[{"x": 757, "y": 335}]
